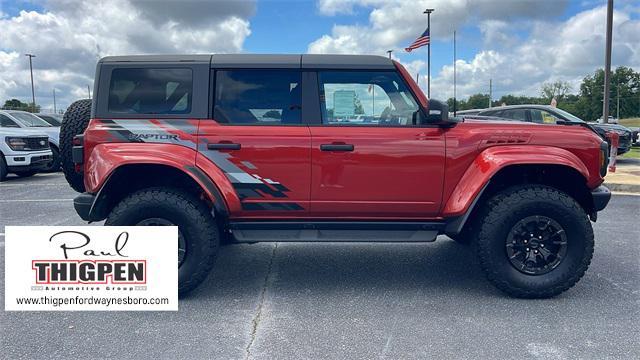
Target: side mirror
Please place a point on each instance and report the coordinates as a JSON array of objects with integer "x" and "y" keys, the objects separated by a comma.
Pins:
[{"x": 438, "y": 112}]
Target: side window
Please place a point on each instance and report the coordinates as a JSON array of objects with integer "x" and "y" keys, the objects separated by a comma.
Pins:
[
  {"x": 367, "y": 98},
  {"x": 542, "y": 117},
  {"x": 260, "y": 97},
  {"x": 151, "y": 91},
  {"x": 7, "y": 123},
  {"x": 515, "y": 114}
]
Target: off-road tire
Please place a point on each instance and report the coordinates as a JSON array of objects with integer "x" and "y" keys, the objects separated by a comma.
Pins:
[
  {"x": 193, "y": 219},
  {"x": 75, "y": 122},
  {"x": 24, "y": 174},
  {"x": 500, "y": 214},
  {"x": 3, "y": 168}
]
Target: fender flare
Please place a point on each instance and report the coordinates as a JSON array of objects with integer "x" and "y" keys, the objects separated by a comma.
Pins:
[
  {"x": 106, "y": 159},
  {"x": 487, "y": 164}
]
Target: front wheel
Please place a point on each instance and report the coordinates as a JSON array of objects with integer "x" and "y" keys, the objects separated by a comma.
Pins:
[
  {"x": 534, "y": 241},
  {"x": 198, "y": 236},
  {"x": 24, "y": 174}
]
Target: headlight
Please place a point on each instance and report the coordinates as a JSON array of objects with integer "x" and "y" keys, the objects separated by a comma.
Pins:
[{"x": 16, "y": 144}]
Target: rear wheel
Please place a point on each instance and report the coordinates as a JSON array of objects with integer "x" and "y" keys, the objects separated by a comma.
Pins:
[
  {"x": 534, "y": 241},
  {"x": 76, "y": 120},
  {"x": 198, "y": 235}
]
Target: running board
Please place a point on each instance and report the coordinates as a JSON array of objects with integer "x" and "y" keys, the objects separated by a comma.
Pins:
[{"x": 335, "y": 231}]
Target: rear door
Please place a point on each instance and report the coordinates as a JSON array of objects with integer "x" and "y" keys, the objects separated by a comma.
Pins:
[
  {"x": 258, "y": 139},
  {"x": 369, "y": 157}
]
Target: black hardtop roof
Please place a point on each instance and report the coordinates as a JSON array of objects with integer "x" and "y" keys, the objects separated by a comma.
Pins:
[{"x": 264, "y": 60}]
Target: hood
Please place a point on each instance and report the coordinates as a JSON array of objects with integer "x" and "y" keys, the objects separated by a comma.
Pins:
[
  {"x": 22, "y": 132},
  {"x": 611, "y": 127},
  {"x": 52, "y": 132}
]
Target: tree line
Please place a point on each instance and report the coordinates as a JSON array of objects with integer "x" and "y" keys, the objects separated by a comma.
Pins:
[{"x": 585, "y": 104}]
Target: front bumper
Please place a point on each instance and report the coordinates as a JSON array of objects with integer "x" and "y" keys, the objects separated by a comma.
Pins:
[
  {"x": 601, "y": 196},
  {"x": 17, "y": 162}
]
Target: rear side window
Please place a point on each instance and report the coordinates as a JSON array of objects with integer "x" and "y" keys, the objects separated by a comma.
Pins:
[
  {"x": 515, "y": 114},
  {"x": 7, "y": 123},
  {"x": 151, "y": 91},
  {"x": 260, "y": 97}
]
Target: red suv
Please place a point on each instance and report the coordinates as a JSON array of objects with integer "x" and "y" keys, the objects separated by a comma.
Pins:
[{"x": 249, "y": 148}]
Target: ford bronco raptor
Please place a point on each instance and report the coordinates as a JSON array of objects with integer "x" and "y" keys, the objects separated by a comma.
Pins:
[{"x": 251, "y": 148}]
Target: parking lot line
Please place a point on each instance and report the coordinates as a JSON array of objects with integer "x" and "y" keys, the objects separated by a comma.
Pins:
[
  {"x": 31, "y": 184},
  {"x": 33, "y": 200}
]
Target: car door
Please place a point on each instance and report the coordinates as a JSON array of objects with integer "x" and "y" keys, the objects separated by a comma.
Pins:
[
  {"x": 257, "y": 138},
  {"x": 369, "y": 158}
]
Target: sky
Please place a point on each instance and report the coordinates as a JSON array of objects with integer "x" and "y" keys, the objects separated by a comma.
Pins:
[{"x": 519, "y": 44}]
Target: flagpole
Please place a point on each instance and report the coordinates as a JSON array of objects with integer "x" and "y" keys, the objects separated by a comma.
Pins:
[
  {"x": 455, "y": 106},
  {"x": 428, "y": 12}
]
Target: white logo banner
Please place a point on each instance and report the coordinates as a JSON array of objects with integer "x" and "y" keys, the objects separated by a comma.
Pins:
[{"x": 91, "y": 268}]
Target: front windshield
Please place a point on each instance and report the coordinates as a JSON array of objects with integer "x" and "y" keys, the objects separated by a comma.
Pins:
[
  {"x": 30, "y": 120},
  {"x": 569, "y": 116}
]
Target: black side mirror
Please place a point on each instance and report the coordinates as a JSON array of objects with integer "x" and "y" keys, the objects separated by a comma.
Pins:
[{"x": 438, "y": 112}]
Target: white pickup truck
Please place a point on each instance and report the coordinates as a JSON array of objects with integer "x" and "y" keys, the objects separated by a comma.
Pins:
[{"x": 23, "y": 151}]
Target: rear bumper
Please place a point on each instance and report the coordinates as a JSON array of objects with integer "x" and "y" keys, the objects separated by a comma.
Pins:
[{"x": 601, "y": 196}]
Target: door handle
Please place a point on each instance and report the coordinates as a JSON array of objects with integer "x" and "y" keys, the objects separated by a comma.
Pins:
[
  {"x": 223, "y": 146},
  {"x": 336, "y": 147}
]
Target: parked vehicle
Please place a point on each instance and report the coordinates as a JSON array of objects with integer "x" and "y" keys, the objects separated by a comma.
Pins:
[
  {"x": 23, "y": 119},
  {"x": 184, "y": 140},
  {"x": 466, "y": 112},
  {"x": 545, "y": 114},
  {"x": 23, "y": 152},
  {"x": 612, "y": 120},
  {"x": 52, "y": 119}
]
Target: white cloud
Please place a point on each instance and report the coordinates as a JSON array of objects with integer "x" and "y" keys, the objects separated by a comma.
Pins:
[
  {"x": 68, "y": 37},
  {"x": 523, "y": 45},
  {"x": 566, "y": 51},
  {"x": 396, "y": 22}
]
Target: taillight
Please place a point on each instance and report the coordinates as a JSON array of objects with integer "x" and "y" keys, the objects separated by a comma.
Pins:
[{"x": 604, "y": 158}]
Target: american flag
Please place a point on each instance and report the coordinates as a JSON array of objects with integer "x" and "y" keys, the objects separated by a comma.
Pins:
[{"x": 421, "y": 41}]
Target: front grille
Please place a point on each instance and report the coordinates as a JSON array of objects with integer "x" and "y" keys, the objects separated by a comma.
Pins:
[{"x": 36, "y": 143}]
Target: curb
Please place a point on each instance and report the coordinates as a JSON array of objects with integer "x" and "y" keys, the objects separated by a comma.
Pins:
[{"x": 628, "y": 188}]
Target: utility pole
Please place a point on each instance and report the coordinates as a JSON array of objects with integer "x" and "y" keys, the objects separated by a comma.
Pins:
[
  {"x": 55, "y": 111},
  {"x": 389, "y": 52},
  {"x": 618, "y": 101},
  {"x": 418, "y": 79},
  {"x": 428, "y": 12},
  {"x": 33, "y": 91},
  {"x": 490, "y": 91},
  {"x": 89, "y": 91},
  {"x": 455, "y": 103},
  {"x": 607, "y": 62}
]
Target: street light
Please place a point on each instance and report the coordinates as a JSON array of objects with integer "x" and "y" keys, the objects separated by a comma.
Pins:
[
  {"x": 607, "y": 63},
  {"x": 33, "y": 91}
]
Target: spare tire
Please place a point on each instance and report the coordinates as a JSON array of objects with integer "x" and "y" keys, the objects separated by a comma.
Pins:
[{"x": 74, "y": 122}]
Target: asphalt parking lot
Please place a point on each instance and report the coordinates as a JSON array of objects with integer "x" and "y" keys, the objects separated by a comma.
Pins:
[{"x": 361, "y": 301}]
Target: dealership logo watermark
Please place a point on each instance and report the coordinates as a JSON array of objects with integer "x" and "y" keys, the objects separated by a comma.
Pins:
[{"x": 91, "y": 268}]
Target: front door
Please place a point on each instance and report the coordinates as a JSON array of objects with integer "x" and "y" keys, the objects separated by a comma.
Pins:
[
  {"x": 369, "y": 157},
  {"x": 257, "y": 139}
]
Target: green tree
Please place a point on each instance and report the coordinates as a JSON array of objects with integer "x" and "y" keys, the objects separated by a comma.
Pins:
[
  {"x": 15, "y": 104},
  {"x": 359, "y": 109},
  {"x": 556, "y": 89}
]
